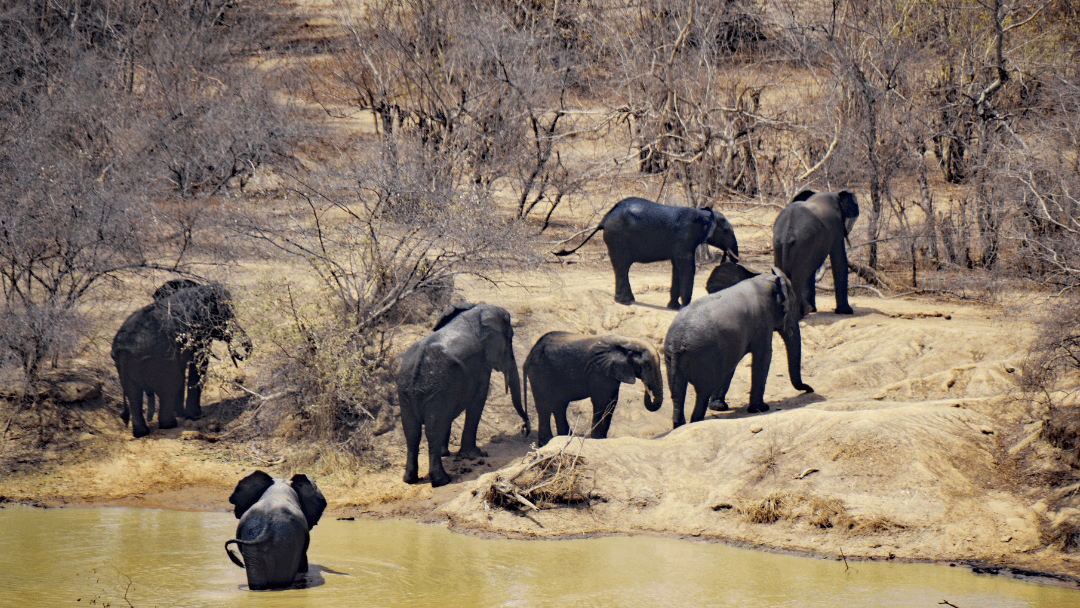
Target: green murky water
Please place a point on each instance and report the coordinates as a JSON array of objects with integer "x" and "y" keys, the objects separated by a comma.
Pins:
[{"x": 92, "y": 557}]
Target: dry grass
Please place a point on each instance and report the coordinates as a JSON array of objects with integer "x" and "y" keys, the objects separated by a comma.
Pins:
[{"x": 768, "y": 510}]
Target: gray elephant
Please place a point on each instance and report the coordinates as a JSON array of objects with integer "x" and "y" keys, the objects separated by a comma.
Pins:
[
  {"x": 812, "y": 227},
  {"x": 156, "y": 345},
  {"x": 707, "y": 340},
  {"x": 637, "y": 230},
  {"x": 200, "y": 360},
  {"x": 276, "y": 517},
  {"x": 565, "y": 367},
  {"x": 448, "y": 373}
]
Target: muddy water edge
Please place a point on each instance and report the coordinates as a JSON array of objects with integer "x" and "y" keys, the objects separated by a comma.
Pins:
[{"x": 147, "y": 557}]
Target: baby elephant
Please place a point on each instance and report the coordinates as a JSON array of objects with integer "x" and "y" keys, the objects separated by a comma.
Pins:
[
  {"x": 565, "y": 367},
  {"x": 276, "y": 516}
]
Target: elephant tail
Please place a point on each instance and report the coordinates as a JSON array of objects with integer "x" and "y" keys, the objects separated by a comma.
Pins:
[
  {"x": 239, "y": 542},
  {"x": 598, "y": 228}
]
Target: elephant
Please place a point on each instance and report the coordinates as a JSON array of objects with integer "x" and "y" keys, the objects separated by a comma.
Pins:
[
  {"x": 156, "y": 345},
  {"x": 449, "y": 372},
  {"x": 565, "y": 367},
  {"x": 276, "y": 517},
  {"x": 199, "y": 362},
  {"x": 812, "y": 227},
  {"x": 638, "y": 230},
  {"x": 727, "y": 274},
  {"x": 707, "y": 340}
]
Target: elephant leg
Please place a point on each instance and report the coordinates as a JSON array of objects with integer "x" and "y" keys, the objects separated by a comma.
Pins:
[
  {"x": 413, "y": 429},
  {"x": 544, "y": 408},
  {"x": 810, "y": 294},
  {"x": 676, "y": 287},
  {"x": 196, "y": 372},
  {"x": 150, "y": 399},
  {"x": 135, "y": 404},
  {"x": 759, "y": 374},
  {"x": 473, "y": 410},
  {"x": 438, "y": 433},
  {"x": 701, "y": 404},
  {"x": 682, "y": 282},
  {"x": 603, "y": 407},
  {"x": 562, "y": 427},
  {"x": 717, "y": 401},
  {"x": 677, "y": 382},
  {"x": 838, "y": 259},
  {"x": 621, "y": 266}
]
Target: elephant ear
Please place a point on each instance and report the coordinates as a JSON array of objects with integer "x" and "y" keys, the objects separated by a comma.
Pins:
[
  {"x": 727, "y": 274},
  {"x": 802, "y": 196},
  {"x": 450, "y": 312},
  {"x": 312, "y": 502},
  {"x": 249, "y": 491},
  {"x": 849, "y": 207},
  {"x": 610, "y": 359}
]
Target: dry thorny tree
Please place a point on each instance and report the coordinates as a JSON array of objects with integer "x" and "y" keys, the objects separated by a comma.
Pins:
[{"x": 121, "y": 124}]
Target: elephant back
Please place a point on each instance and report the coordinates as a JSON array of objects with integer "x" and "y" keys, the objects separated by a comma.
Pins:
[{"x": 142, "y": 334}]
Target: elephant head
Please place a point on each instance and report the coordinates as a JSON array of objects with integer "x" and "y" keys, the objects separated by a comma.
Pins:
[
  {"x": 250, "y": 491},
  {"x": 491, "y": 324},
  {"x": 727, "y": 274},
  {"x": 722, "y": 236},
  {"x": 203, "y": 313},
  {"x": 845, "y": 200},
  {"x": 626, "y": 360},
  {"x": 786, "y": 322}
]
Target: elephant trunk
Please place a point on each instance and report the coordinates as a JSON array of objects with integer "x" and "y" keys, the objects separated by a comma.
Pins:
[
  {"x": 793, "y": 345},
  {"x": 654, "y": 389},
  {"x": 237, "y": 336},
  {"x": 513, "y": 384}
]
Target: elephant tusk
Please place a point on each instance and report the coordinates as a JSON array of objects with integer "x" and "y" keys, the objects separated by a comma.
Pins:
[{"x": 733, "y": 257}]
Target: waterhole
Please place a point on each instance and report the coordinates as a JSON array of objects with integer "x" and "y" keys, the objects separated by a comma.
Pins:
[{"x": 143, "y": 557}]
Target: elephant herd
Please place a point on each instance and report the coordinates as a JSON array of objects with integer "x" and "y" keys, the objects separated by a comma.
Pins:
[
  {"x": 162, "y": 351},
  {"x": 449, "y": 371}
]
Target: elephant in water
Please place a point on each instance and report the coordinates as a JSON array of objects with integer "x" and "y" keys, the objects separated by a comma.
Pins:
[
  {"x": 276, "y": 517},
  {"x": 707, "y": 340},
  {"x": 565, "y": 367},
  {"x": 449, "y": 372},
  {"x": 812, "y": 227},
  {"x": 156, "y": 345},
  {"x": 637, "y": 230}
]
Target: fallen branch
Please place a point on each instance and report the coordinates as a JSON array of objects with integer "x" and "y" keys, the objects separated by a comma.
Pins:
[{"x": 870, "y": 275}]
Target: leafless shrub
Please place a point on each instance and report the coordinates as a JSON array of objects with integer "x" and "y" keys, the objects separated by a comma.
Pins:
[{"x": 544, "y": 481}]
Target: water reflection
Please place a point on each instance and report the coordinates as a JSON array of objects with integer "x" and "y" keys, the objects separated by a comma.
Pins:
[{"x": 166, "y": 558}]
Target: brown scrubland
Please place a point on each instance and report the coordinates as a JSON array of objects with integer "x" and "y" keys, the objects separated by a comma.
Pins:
[{"x": 349, "y": 168}]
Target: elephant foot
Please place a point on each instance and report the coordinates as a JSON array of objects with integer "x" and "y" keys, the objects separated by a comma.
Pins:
[
  {"x": 624, "y": 300},
  {"x": 193, "y": 413},
  {"x": 167, "y": 424},
  {"x": 846, "y": 310},
  {"x": 674, "y": 305},
  {"x": 758, "y": 408},
  {"x": 472, "y": 454},
  {"x": 806, "y": 388},
  {"x": 439, "y": 478},
  {"x": 140, "y": 432},
  {"x": 410, "y": 478},
  {"x": 718, "y": 405}
]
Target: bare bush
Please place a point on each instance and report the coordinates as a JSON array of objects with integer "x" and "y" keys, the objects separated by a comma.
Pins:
[
  {"x": 109, "y": 113},
  {"x": 543, "y": 481}
]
